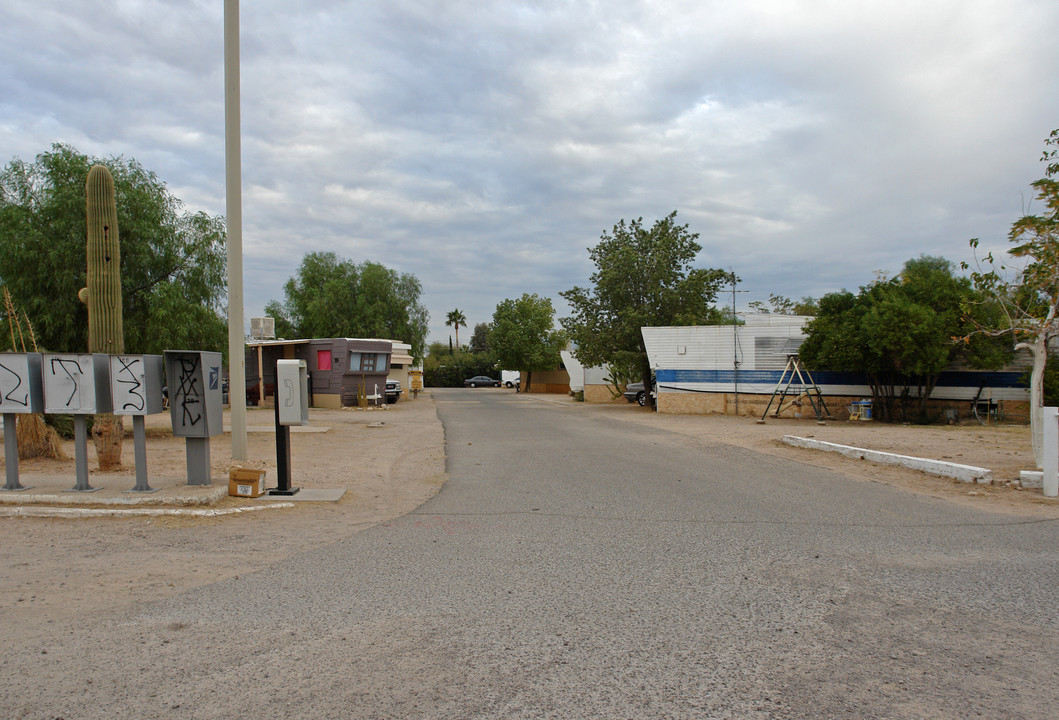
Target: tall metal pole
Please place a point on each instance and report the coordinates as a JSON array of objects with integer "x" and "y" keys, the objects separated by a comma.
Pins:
[
  {"x": 735, "y": 347},
  {"x": 234, "y": 197}
]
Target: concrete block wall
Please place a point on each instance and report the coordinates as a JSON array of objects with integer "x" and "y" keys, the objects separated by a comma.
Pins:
[{"x": 599, "y": 394}]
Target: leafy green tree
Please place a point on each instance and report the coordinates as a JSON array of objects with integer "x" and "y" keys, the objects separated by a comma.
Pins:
[
  {"x": 524, "y": 338},
  {"x": 284, "y": 328},
  {"x": 448, "y": 368},
  {"x": 806, "y": 306},
  {"x": 173, "y": 262},
  {"x": 480, "y": 338},
  {"x": 330, "y": 297},
  {"x": 618, "y": 377},
  {"x": 455, "y": 319},
  {"x": 643, "y": 277},
  {"x": 1028, "y": 296},
  {"x": 900, "y": 333},
  {"x": 782, "y": 305},
  {"x": 438, "y": 349}
]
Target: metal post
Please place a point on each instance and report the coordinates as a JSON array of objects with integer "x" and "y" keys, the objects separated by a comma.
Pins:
[
  {"x": 260, "y": 378},
  {"x": 11, "y": 452},
  {"x": 81, "y": 456},
  {"x": 198, "y": 459},
  {"x": 735, "y": 350},
  {"x": 139, "y": 437},
  {"x": 234, "y": 208}
]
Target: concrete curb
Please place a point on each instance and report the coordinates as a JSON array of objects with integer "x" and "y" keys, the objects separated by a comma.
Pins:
[
  {"x": 55, "y": 512},
  {"x": 22, "y": 499},
  {"x": 964, "y": 473},
  {"x": 1032, "y": 479}
]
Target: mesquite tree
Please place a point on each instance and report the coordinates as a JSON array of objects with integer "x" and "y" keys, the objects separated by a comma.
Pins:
[
  {"x": 644, "y": 277},
  {"x": 1026, "y": 288}
]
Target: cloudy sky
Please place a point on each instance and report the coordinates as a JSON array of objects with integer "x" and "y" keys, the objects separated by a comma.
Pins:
[{"x": 483, "y": 146}]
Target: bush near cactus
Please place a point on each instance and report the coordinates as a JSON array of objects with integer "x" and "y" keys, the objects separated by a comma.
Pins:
[{"x": 173, "y": 262}]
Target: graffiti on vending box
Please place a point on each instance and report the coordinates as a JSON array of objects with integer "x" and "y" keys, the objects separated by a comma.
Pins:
[
  {"x": 189, "y": 393},
  {"x": 14, "y": 389},
  {"x": 129, "y": 378}
]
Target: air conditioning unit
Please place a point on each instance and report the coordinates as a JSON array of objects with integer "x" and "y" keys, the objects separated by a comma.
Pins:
[{"x": 263, "y": 328}]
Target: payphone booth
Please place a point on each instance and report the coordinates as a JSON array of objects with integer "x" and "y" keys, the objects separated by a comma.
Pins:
[
  {"x": 77, "y": 385},
  {"x": 195, "y": 405},
  {"x": 292, "y": 408},
  {"x": 292, "y": 392},
  {"x": 136, "y": 389},
  {"x": 21, "y": 393}
]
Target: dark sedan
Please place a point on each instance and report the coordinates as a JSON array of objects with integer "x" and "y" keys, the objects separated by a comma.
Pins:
[
  {"x": 481, "y": 381},
  {"x": 634, "y": 392}
]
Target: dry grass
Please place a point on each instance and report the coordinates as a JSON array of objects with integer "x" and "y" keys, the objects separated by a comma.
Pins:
[{"x": 35, "y": 438}]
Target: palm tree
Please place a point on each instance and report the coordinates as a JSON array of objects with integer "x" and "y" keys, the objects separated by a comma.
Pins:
[{"x": 456, "y": 318}]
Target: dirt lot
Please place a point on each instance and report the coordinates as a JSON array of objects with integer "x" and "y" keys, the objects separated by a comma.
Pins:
[
  {"x": 390, "y": 462},
  {"x": 1004, "y": 449}
]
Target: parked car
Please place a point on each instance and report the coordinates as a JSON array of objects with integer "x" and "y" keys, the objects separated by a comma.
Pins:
[
  {"x": 634, "y": 392},
  {"x": 513, "y": 382},
  {"x": 393, "y": 391},
  {"x": 481, "y": 381}
]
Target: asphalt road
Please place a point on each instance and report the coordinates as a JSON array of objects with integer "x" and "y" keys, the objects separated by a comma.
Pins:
[{"x": 578, "y": 567}]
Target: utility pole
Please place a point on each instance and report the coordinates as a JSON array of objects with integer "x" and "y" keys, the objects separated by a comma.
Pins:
[
  {"x": 735, "y": 340},
  {"x": 233, "y": 183}
]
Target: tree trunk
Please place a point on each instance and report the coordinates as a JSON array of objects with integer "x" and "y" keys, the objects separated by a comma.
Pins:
[
  {"x": 648, "y": 386},
  {"x": 107, "y": 434},
  {"x": 1039, "y": 350},
  {"x": 926, "y": 389},
  {"x": 882, "y": 398},
  {"x": 529, "y": 376}
]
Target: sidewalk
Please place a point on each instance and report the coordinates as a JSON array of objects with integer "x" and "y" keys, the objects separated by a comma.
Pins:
[{"x": 49, "y": 484}]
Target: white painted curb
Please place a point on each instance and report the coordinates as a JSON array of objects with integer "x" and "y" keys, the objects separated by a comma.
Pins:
[
  {"x": 1032, "y": 479},
  {"x": 965, "y": 473},
  {"x": 56, "y": 512},
  {"x": 209, "y": 498}
]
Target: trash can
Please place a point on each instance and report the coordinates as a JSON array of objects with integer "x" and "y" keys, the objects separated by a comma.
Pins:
[{"x": 865, "y": 409}]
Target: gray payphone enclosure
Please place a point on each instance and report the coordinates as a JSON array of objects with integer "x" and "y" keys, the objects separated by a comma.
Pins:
[{"x": 292, "y": 392}]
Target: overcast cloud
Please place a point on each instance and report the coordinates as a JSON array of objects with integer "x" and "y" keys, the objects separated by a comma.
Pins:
[{"x": 483, "y": 146}]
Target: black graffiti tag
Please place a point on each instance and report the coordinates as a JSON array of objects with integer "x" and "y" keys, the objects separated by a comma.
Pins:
[
  {"x": 64, "y": 365},
  {"x": 24, "y": 401},
  {"x": 188, "y": 391},
  {"x": 127, "y": 376}
]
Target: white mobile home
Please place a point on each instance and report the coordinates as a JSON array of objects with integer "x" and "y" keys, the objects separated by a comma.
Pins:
[{"x": 736, "y": 368}]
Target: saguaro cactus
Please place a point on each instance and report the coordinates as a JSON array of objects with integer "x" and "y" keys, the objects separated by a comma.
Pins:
[{"x": 103, "y": 298}]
